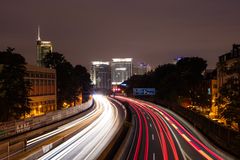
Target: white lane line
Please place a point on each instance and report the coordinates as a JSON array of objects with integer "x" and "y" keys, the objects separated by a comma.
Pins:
[
  {"x": 154, "y": 156},
  {"x": 153, "y": 137},
  {"x": 150, "y": 125}
]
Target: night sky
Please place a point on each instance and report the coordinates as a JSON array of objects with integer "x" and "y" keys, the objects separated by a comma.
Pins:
[{"x": 153, "y": 31}]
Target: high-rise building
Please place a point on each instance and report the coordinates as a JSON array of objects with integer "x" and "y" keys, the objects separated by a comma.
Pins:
[
  {"x": 101, "y": 75},
  {"x": 141, "y": 68},
  {"x": 121, "y": 69},
  {"x": 43, "y": 48}
]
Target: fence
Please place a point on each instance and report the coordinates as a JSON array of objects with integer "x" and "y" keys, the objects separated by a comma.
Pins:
[{"x": 12, "y": 128}]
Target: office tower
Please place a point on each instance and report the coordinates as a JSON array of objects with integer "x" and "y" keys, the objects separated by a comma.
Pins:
[
  {"x": 43, "y": 48},
  {"x": 121, "y": 69},
  {"x": 101, "y": 75}
]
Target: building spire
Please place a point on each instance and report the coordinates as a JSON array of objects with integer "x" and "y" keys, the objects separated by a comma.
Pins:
[{"x": 38, "y": 36}]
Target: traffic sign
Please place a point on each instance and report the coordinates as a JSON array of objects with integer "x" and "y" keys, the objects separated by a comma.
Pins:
[{"x": 143, "y": 91}]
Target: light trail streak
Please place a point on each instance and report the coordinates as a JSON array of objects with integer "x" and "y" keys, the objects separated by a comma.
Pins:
[
  {"x": 182, "y": 131},
  {"x": 92, "y": 140},
  {"x": 163, "y": 121},
  {"x": 61, "y": 128}
]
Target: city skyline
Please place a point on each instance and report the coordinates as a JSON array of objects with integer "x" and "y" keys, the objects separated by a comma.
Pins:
[{"x": 149, "y": 32}]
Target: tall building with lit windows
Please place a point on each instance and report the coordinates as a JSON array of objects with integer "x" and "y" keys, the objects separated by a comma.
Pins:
[
  {"x": 43, "y": 48},
  {"x": 101, "y": 75},
  {"x": 121, "y": 69}
]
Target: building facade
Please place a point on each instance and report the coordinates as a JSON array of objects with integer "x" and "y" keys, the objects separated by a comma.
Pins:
[
  {"x": 227, "y": 60},
  {"x": 43, "y": 91},
  {"x": 141, "y": 68},
  {"x": 43, "y": 48},
  {"x": 101, "y": 75},
  {"x": 121, "y": 69}
]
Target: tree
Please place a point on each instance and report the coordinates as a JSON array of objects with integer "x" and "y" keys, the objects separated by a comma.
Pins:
[
  {"x": 166, "y": 81},
  {"x": 190, "y": 71},
  {"x": 14, "y": 89},
  {"x": 71, "y": 81},
  {"x": 175, "y": 82},
  {"x": 64, "y": 70},
  {"x": 82, "y": 82}
]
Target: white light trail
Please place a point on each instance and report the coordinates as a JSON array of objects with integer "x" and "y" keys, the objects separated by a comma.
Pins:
[{"x": 91, "y": 141}]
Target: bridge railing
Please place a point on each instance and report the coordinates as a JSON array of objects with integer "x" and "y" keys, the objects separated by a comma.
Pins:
[{"x": 12, "y": 128}]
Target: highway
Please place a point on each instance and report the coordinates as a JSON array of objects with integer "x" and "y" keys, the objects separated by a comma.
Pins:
[
  {"x": 36, "y": 140},
  {"x": 161, "y": 134},
  {"x": 90, "y": 142}
]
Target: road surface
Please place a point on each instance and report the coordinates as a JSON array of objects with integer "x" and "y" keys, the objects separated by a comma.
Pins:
[
  {"x": 161, "y": 134},
  {"x": 92, "y": 140}
]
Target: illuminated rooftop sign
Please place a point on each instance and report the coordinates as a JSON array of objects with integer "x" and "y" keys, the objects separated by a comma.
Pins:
[
  {"x": 121, "y": 69},
  {"x": 122, "y": 59},
  {"x": 99, "y": 63}
]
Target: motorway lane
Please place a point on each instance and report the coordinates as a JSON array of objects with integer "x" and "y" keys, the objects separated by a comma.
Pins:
[
  {"x": 175, "y": 141},
  {"x": 38, "y": 139},
  {"x": 91, "y": 141},
  {"x": 37, "y": 144}
]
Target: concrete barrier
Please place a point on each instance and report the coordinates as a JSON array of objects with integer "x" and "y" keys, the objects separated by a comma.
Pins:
[{"x": 12, "y": 128}]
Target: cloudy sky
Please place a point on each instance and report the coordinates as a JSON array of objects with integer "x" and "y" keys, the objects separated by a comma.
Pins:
[{"x": 152, "y": 31}]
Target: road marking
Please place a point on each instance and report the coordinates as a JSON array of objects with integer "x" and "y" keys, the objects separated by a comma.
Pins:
[
  {"x": 154, "y": 156},
  {"x": 153, "y": 137},
  {"x": 150, "y": 125}
]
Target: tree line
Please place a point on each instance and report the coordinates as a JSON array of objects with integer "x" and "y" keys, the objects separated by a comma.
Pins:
[
  {"x": 14, "y": 88},
  {"x": 185, "y": 81},
  {"x": 175, "y": 82}
]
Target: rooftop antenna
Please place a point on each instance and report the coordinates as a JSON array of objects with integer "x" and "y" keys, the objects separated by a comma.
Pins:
[{"x": 38, "y": 36}]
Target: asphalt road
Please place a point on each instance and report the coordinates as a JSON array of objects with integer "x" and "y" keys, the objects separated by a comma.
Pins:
[
  {"x": 90, "y": 142},
  {"x": 161, "y": 134}
]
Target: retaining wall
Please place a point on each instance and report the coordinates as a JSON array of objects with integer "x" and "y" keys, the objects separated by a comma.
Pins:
[{"x": 12, "y": 128}]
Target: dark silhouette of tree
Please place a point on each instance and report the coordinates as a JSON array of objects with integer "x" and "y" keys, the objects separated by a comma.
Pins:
[
  {"x": 167, "y": 81},
  {"x": 82, "y": 82},
  {"x": 71, "y": 81},
  {"x": 175, "y": 82},
  {"x": 64, "y": 70},
  {"x": 190, "y": 70},
  {"x": 53, "y": 60},
  {"x": 14, "y": 89}
]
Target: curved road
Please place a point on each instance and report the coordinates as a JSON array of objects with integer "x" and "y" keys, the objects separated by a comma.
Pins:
[
  {"x": 161, "y": 134},
  {"x": 90, "y": 142}
]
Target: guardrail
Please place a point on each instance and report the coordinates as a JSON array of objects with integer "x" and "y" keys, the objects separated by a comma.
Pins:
[
  {"x": 223, "y": 137},
  {"x": 12, "y": 128}
]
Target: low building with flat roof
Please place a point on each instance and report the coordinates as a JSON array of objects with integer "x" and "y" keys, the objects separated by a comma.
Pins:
[{"x": 43, "y": 91}]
